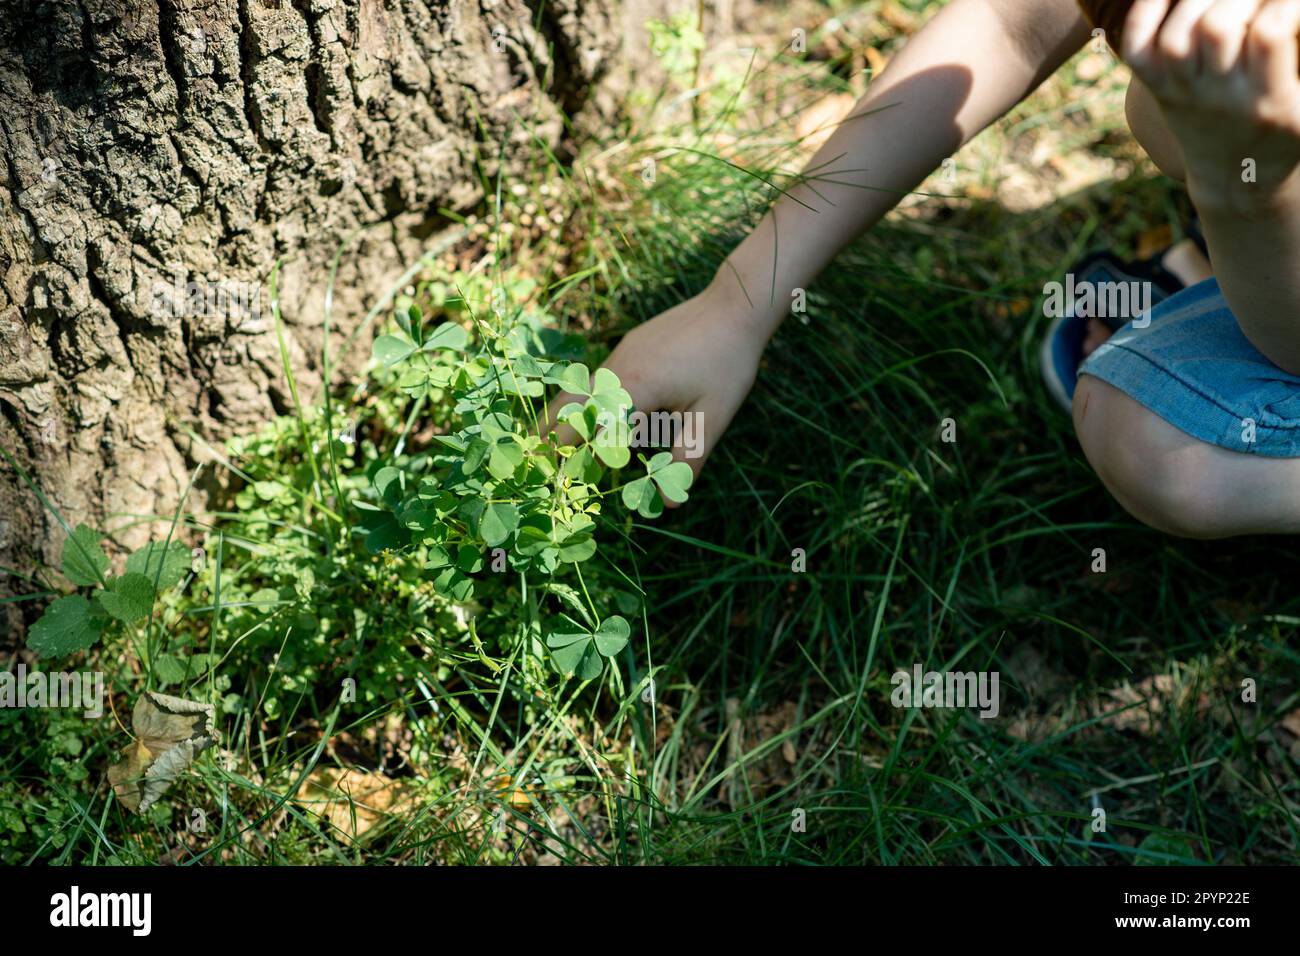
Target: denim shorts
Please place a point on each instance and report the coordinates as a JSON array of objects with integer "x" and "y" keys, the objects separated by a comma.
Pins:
[{"x": 1193, "y": 367}]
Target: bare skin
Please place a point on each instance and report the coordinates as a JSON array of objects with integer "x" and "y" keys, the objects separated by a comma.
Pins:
[{"x": 1216, "y": 82}]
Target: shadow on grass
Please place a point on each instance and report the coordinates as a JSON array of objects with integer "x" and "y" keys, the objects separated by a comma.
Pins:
[{"x": 1121, "y": 689}]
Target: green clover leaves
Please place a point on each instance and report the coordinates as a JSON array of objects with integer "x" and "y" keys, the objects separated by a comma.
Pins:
[
  {"x": 602, "y": 419},
  {"x": 420, "y": 356},
  {"x": 580, "y": 652},
  {"x": 670, "y": 478},
  {"x": 492, "y": 482}
]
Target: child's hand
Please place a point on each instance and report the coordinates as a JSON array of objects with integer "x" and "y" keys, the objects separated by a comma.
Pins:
[
  {"x": 699, "y": 358},
  {"x": 1226, "y": 74}
]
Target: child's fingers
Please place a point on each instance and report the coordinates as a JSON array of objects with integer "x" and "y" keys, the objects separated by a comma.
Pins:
[
  {"x": 1141, "y": 28},
  {"x": 1271, "y": 55},
  {"x": 689, "y": 445},
  {"x": 703, "y": 426},
  {"x": 694, "y": 433},
  {"x": 692, "y": 445},
  {"x": 1222, "y": 34},
  {"x": 1179, "y": 51}
]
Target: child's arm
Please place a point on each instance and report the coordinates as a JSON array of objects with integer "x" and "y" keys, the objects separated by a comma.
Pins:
[
  {"x": 1227, "y": 77},
  {"x": 968, "y": 66}
]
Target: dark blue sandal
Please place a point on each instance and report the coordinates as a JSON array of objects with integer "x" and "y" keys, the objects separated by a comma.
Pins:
[{"x": 1061, "y": 353}]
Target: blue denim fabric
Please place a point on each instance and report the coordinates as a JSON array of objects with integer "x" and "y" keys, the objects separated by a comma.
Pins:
[{"x": 1193, "y": 367}]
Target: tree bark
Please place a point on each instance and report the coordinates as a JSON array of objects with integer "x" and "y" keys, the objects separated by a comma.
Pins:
[{"x": 155, "y": 149}]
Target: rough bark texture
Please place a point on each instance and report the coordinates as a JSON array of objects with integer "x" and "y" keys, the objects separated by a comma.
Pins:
[{"x": 151, "y": 144}]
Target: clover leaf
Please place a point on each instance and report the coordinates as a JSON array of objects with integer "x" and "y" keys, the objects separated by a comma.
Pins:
[
  {"x": 506, "y": 455},
  {"x": 611, "y": 637},
  {"x": 672, "y": 477},
  {"x": 573, "y": 377},
  {"x": 581, "y": 418},
  {"x": 640, "y": 496},
  {"x": 388, "y": 482},
  {"x": 611, "y": 442},
  {"x": 497, "y": 523},
  {"x": 448, "y": 336},
  {"x": 665, "y": 479},
  {"x": 452, "y": 572},
  {"x": 391, "y": 349},
  {"x": 580, "y": 652},
  {"x": 381, "y": 527},
  {"x": 610, "y": 397}
]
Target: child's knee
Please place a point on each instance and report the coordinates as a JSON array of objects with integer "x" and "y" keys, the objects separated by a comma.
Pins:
[{"x": 1161, "y": 476}]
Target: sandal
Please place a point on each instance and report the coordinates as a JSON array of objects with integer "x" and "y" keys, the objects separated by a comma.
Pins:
[{"x": 1061, "y": 352}]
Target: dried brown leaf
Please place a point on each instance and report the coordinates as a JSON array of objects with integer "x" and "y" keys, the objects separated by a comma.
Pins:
[{"x": 169, "y": 733}]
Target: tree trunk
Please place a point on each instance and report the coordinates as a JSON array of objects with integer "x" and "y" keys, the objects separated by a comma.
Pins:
[{"x": 160, "y": 157}]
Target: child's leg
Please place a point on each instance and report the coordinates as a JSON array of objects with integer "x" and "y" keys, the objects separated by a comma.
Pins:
[
  {"x": 1190, "y": 428},
  {"x": 1176, "y": 483}
]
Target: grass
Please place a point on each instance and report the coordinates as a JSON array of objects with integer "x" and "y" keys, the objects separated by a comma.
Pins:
[{"x": 1121, "y": 691}]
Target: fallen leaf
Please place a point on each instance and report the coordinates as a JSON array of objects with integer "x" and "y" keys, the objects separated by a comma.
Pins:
[
  {"x": 169, "y": 733},
  {"x": 1141, "y": 707},
  {"x": 352, "y": 801}
]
